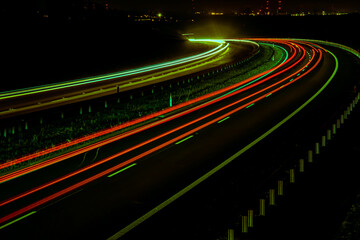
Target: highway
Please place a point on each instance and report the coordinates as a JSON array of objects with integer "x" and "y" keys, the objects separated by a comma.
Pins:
[
  {"x": 28, "y": 100},
  {"x": 105, "y": 189}
]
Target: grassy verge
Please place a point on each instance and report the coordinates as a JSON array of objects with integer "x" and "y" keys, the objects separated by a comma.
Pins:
[{"x": 350, "y": 228}]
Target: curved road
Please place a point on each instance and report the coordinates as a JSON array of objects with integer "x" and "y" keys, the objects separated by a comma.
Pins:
[{"x": 108, "y": 188}]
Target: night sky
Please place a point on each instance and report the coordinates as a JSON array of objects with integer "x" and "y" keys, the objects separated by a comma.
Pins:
[{"x": 229, "y": 5}]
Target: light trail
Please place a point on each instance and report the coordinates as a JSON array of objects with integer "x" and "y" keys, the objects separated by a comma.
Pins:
[
  {"x": 180, "y": 193},
  {"x": 260, "y": 95},
  {"x": 74, "y": 153},
  {"x": 237, "y": 87},
  {"x": 44, "y": 88},
  {"x": 174, "y": 140}
]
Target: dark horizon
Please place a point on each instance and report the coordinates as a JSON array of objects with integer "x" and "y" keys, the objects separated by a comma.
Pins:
[
  {"x": 176, "y": 7},
  {"x": 235, "y": 5}
]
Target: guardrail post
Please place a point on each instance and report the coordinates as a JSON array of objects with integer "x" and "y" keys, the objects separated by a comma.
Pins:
[
  {"x": 280, "y": 188},
  {"x": 317, "y": 148},
  {"x": 262, "y": 207},
  {"x": 251, "y": 218},
  {"x": 244, "y": 224},
  {"x": 323, "y": 141},
  {"x": 272, "y": 197},
  {"x": 231, "y": 235},
  {"x": 334, "y": 129},
  {"x": 310, "y": 156},
  {"x": 342, "y": 119},
  {"x": 301, "y": 165},
  {"x": 328, "y": 134},
  {"x": 292, "y": 175}
]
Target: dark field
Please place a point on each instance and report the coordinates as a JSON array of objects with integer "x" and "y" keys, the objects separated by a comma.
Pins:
[
  {"x": 39, "y": 53},
  {"x": 52, "y": 53}
]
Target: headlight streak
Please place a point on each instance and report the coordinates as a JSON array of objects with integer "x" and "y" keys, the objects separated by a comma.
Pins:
[
  {"x": 67, "y": 84},
  {"x": 267, "y": 91}
]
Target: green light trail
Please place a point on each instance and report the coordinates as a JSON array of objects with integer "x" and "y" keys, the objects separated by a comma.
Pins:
[{"x": 43, "y": 88}]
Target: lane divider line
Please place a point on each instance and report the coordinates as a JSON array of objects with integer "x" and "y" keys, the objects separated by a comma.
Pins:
[
  {"x": 223, "y": 120},
  {"x": 184, "y": 139},
  {"x": 18, "y": 219},
  {"x": 250, "y": 105},
  {"x": 121, "y": 170}
]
